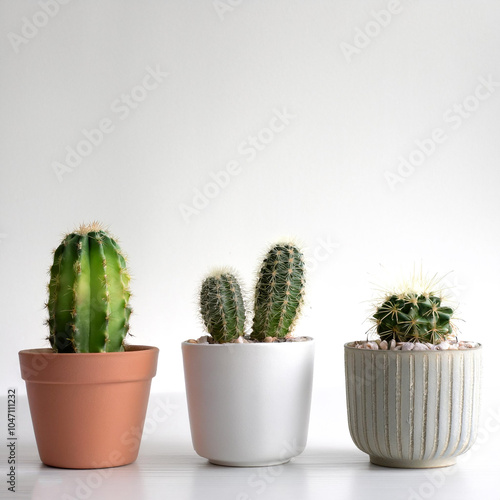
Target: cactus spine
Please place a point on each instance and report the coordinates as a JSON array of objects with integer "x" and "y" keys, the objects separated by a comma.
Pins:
[
  {"x": 222, "y": 307},
  {"x": 279, "y": 292},
  {"x": 410, "y": 316},
  {"x": 88, "y": 293}
]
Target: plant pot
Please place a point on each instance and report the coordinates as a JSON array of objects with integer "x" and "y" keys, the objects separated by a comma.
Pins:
[
  {"x": 249, "y": 404},
  {"x": 413, "y": 409},
  {"x": 88, "y": 409}
]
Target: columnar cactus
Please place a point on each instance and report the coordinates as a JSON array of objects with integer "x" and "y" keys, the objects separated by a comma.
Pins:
[
  {"x": 412, "y": 316},
  {"x": 88, "y": 293},
  {"x": 222, "y": 307},
  {"x": 279, "y": 292}
]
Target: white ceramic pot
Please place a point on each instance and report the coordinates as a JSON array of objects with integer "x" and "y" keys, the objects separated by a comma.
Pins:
[
  {"x": 249, "y": 403},
  {"x": 413, "y": 409}
]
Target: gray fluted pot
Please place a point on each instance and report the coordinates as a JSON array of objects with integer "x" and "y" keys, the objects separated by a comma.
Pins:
[{"x": 413, "y": 409}]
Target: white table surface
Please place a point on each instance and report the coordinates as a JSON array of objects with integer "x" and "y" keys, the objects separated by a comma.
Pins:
[{"x": 330, "y": 467}]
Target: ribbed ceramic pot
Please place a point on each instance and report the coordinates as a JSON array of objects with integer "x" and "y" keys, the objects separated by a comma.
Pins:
[
  {"x": 88, "y": 409},
  {"x": 249, "y": 404},
  {"x": 413, "y": 409}
]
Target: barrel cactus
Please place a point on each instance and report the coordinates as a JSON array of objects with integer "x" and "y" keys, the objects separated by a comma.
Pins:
[
  {"x": 411, "y": 316},
  {"x": 221, "y": 306},
  {"x": 88, "y": 293},
  {"x": 279, "y": 292}
]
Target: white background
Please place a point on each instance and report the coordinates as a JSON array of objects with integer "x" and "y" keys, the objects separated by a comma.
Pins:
[{"x": 323, "y": 178}]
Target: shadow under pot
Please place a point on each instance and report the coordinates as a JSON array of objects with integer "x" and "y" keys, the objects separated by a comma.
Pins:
[
  {"x": 249, "y": 404},
  {"x": 413, "y": 409}
]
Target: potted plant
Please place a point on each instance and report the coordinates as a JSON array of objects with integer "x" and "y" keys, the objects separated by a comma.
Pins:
[
  {"x": 88, "y": 394},
  {"x": 413, "y": 393},
  {"x": 249, "y": 396}
]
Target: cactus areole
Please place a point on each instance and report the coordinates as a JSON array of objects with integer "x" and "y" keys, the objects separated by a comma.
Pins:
[{"x": 88, "y": 293}]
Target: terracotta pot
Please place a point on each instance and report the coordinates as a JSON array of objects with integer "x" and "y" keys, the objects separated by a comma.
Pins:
[
  {"x": 413, "y": 409},
  {"x": 88, "y": 410},
  {"x": 249, "y": 403}
]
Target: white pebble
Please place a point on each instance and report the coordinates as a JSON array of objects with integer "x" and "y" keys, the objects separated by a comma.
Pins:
[
  {"x": 443, "y": 346},
  {"x": 203, "y": 339},
  {"x": 420, "y": 347},
  {"x": 392, "y": 345}
]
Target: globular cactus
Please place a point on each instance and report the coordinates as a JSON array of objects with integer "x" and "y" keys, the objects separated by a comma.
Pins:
[
  {"x": 88, "y": 293},
  {"x": 413, "y": 316},
  {"x": 222, "y": 307},
  {"x": 279, "y": 292}
]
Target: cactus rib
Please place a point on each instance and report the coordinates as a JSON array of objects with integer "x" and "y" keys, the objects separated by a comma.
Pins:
[
  {"x": 222, "y": 307},
  {"x": 410, "y": 316},
  {"x": 88, "y": 293},
  {"x": 279, "y": 292}
]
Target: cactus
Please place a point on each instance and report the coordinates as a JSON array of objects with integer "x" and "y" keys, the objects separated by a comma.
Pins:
[
  {"x": 413, "y": 316},
  {"x": 222, "y": 307},
  {"x": 88, "y": 293},
  {"x": 279, "y": 292}
]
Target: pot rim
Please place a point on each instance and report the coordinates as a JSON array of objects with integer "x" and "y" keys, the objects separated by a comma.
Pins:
[
  {"x": 350, "y": 346},
  {"x": 47, "y": 351},
  {"x": 137, "y": 362},
  {"x": 269, "y": 344}
]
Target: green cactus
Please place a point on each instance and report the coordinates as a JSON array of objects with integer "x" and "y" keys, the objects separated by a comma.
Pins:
[
  {"x": 412, "y": 316},
  {"x": 279, "y": 292},
  {"x": 88, "y": 293},
  {"x": 222, "y": 307}
]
